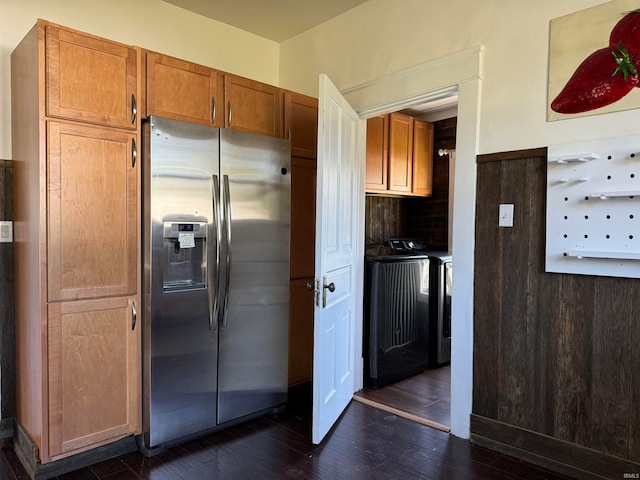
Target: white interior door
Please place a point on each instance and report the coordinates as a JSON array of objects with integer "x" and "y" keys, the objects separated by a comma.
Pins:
[{"x": 337, "y": 335}]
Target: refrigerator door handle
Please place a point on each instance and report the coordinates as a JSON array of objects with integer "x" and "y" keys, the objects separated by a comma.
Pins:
[
  {"x": 227, "y": 217},
  {"x": 213, "y": 284}
]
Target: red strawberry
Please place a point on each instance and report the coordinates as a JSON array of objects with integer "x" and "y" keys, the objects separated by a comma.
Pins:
[
  {"x": 603, "y": 78},
  {"x": 627, "y": 33}
]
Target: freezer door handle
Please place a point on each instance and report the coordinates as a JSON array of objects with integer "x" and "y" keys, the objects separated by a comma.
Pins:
[
  {"x": 227, "y": 217},
  {"x": 213, "y": 283}
]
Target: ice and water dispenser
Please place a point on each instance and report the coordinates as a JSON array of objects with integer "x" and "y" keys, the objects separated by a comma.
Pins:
[{"x": 184, "y": 256}]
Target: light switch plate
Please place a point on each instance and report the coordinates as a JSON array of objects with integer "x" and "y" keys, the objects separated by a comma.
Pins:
[
  {"x": 505, "y": 218},
  {"x": 6, "y": 232}
]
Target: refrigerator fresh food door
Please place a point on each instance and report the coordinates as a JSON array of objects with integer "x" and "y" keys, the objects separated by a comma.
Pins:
[
  {"x": 180, "y": 284},
  {"x": 255, "y": 191}
]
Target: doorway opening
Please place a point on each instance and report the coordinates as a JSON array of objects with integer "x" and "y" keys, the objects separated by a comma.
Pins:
[
  {"x": 406, "y": 323},
  {"x": 435, "y": 79}
]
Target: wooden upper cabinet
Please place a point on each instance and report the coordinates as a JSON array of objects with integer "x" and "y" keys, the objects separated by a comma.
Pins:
[
  {"x": 92, "y": 221},
  {"x": 400, "y": 153},
  {"x": 183, "y": 90},
  {"x": 377, "y": 153},
  {"x": 301, "y": 124},
  {"x": 94, "y": 373},
  {"x": 422, "y": 158},
  {"x": 399, "y": 156},
  {"x": 90, "y": 79},
  {"x": 252, "y": 106}
]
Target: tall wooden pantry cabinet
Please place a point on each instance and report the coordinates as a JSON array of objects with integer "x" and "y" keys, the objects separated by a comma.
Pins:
[{"x": 77, "y": 204}]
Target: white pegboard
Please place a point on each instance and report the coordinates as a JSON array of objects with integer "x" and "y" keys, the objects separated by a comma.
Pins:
[{"x": 593, "y": 207}]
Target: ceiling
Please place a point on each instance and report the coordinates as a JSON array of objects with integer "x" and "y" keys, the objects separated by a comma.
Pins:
[{"x": 277, "y": 20}]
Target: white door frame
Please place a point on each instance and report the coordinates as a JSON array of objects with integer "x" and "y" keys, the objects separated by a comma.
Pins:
[{"x": 461, "y": 72}]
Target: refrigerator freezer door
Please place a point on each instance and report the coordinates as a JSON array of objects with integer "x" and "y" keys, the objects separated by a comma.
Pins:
[
  {"x": 256, "y": 183},
  {"x": 181, "y": 238}
]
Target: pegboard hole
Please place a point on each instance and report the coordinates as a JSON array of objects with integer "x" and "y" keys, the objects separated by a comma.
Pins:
[
  {"x": 609, "y": 157},
  {"x": 566, "y": 218},
  {"x": 633, "y": 155},
  {"x": 607, "y": 236},
  {"x": 630, "y": 237},
  {"x": 586, "y": 198},
  {"x": 608, "y": 177},
  {"x": 566, "y": 199},
  {"x": 586, "y": 217},
  {"x": 631, "y": 216},
  {"x": 565, "y": 235},
  {"x": 586, "y": 236},
  {"x": 608, "y": 217},
  {"x": 633, "y": 175}
]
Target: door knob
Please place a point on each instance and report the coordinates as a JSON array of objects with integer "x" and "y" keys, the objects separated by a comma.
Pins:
[
  {"x": 331, "y": 287},
  {"x": 310, "y": 286}
]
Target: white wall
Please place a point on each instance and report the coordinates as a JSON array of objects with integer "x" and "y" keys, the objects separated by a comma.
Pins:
[
  {"x": 151, "y": 24},
  {"x": 385, "y": 36}
]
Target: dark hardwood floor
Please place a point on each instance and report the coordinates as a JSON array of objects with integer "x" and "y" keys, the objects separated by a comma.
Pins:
[
  {"x": 425, "y": 398},
  {"x": 367, "y": 443}
]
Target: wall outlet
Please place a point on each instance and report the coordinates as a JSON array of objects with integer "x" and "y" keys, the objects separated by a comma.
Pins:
[
  {"x": 505, "y": 215},
  {"x": 6, "y": 232}
]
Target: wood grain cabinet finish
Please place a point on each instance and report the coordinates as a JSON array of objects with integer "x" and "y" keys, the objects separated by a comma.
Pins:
[
  {"x": 94, "y": 379},
  {"x": 399, "y": 156},
  {"x": 422, "y": 158},
  {"x": 301, "y": 120},
  {"x": 301, "y": 124},
  {"x": 252, "y": 106},
  {"x": 303, "y": 218},
  {"x": 89, "y": 79},
  {"x": 377, "y": 154},
  {"x": 400, "y": 153},
  {"x": 183, "y": 90},
  {"x": 92, "y": 192},
  {"x": 77, "y": 200},
  {"x": 300, "y": 331}
]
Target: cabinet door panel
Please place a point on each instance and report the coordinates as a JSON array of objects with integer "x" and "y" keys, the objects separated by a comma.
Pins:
[
  {"x": 92, "y": 198},
  {"x": 183, "y": 90},
  {"x": 303, "y": 218},
  {"x": 301, "y": 124},
  {"x": 377, "y": 153},
  {"x": 90, "y": 79},
  {"x": 252, "y": 106},
  {"x": 94, "y": 365},
  {"x": 400, "y": 153},
  {"x": 300, "y": 331},
  {"x": 422, "y": 158}
]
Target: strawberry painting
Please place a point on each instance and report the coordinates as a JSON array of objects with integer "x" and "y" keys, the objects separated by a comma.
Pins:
[{"x": 606, "y": 75}]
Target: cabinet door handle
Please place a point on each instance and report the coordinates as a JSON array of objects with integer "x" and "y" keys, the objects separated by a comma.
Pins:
[
  {"x": 230, "y": 112},
  {"x": 134, "y": 108},
  {"x": 134, "y": 315},
  {"x": 213, "y": 110},
  {"x": 134, "y": 153},
  {"x": 289, "y": 134}
]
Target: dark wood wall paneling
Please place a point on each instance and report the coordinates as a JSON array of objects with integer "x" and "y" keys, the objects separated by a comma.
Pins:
[
  {"x": 7, "y": 322},
  {"x": 554, "y": 354},
  {"x": 384, "y": 219},
  {"x": 424, "y": 218}
]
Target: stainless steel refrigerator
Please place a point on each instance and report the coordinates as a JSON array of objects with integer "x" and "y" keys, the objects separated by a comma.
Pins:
[{"x": 216, "y": 223}]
